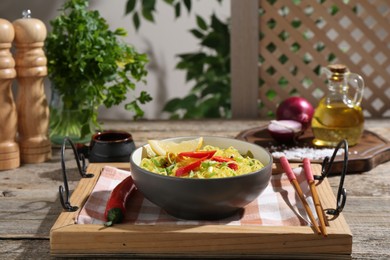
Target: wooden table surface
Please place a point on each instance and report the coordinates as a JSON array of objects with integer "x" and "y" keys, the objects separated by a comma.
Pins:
[{"x": 30, "y": 205}]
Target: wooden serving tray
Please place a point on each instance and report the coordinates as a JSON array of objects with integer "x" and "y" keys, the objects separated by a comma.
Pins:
[
  {"x": 191, "y": 241},
  {"x": 371, "y": 150}
]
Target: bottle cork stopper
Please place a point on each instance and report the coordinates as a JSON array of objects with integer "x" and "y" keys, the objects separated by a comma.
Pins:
[
  {"x": 338, "y": 71},
  {"x": 9, "y": 148},
  {"x": 338, "y": 68}
]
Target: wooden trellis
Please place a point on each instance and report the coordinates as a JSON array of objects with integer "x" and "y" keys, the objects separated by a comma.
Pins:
[{"x": 298, "y": 37}]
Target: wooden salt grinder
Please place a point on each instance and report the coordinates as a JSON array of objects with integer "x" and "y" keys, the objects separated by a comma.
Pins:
[
  {"x": 32, "y": 108},
  {"x": 9, "y": 148}
]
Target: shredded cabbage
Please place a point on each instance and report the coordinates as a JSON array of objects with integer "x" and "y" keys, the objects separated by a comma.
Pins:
[{"x": 209, "y": 168}]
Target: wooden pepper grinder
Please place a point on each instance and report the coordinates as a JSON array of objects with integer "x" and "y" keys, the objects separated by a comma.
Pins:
[
  {"x": 32, "y": 108},
  {"x": 9, "y": 148}
]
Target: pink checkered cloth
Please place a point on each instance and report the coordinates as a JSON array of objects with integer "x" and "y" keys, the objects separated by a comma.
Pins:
[{"x": 278, "y": 205}]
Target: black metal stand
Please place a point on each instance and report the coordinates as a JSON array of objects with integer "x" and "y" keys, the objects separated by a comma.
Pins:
[
  {"x": 64, "y": 190},
  {"x": 326, "y": 167}
]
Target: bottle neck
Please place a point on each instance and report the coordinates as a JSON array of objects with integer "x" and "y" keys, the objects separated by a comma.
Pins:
[{"x": 338, "y": 83}]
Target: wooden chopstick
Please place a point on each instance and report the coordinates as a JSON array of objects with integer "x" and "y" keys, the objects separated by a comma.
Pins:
[
  {"x": 291, "y": 176},
  {"x": 316, "y": 199}
]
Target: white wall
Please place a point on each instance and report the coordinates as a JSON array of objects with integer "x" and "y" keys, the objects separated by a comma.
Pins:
[{"x": 162, "y": 41}]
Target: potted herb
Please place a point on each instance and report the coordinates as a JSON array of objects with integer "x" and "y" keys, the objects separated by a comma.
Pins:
[{"x": 88, "y": 67}]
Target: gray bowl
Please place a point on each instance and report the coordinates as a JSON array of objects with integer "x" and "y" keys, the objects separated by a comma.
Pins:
[{"x": 204, "y": 199}]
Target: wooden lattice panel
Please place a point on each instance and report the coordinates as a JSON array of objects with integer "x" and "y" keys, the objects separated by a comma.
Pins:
[{"x": 298, "y": 37}]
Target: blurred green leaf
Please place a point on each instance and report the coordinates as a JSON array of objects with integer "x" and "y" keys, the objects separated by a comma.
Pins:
[
  {"x": 201, "y": 23},
  {"x": 148, "y": 4},
  {"x": 120, "y": 32},
  {"x": 130, "y": 6},
  {"x": 148, "y": 14},
  {"x": 197, "y": 33},
  {"x": 177, "y": 10},
  {"x": 136, "y": 20},
  {"x": 172, "y": 105},
  {"x": 187, "y": 4}
]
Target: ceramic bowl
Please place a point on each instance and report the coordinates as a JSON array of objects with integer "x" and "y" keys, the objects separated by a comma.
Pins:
[
  {"x": 204, "y": 199},
  {"x": 111, "y": 146}
]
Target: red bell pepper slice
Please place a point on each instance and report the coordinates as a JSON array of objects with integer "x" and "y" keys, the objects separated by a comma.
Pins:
[
  {"x": 233, "y": 166},
  {"x": 230, "y": 162},
  {"x": 198, "y": 154},
  {"x": 189, "y": 167}
]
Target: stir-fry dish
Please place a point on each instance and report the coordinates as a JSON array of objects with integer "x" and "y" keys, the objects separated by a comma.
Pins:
[{"x": 208, "y": 162}]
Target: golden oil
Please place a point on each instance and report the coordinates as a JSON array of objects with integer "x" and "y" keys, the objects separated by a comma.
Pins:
[{"x": 334, "y": 122}]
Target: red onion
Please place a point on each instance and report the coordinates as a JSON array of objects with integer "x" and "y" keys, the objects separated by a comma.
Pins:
[
  {"x": 285, "y": 131},
  {"x": 295, "y": 108}
]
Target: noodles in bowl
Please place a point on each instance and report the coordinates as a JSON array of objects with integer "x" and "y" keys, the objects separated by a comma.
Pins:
[
  {"x": 201, "y": 198},
  {"x": 208, "y": 162}
]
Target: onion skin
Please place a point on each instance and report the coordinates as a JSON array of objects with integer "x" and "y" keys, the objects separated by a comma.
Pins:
[
  {"x": 297, "y": 109},
  {"x": 285, "y": 131}
]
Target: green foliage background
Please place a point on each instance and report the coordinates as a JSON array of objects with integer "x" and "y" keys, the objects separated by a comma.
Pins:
[{"x": 208, "y": 68}]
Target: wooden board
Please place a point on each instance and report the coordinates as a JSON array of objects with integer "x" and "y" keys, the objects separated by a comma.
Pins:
[
  {"x": 189, "y": 241},
  {"x": 371, "y": 151}
]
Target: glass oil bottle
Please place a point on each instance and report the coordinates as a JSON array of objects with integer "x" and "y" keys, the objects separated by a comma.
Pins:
[{"x": 339, "y": 115}]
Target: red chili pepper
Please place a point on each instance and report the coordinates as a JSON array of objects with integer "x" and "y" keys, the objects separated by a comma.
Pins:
[
  {"x": 189, "y": 167},
  {"x": 116, "y": 205},
  {"x": 230, "y": 162},
  {"x": 198, "y": 154}
]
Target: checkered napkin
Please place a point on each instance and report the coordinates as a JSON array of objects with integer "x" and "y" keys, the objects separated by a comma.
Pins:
[{"x": 278, "y": 205}]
